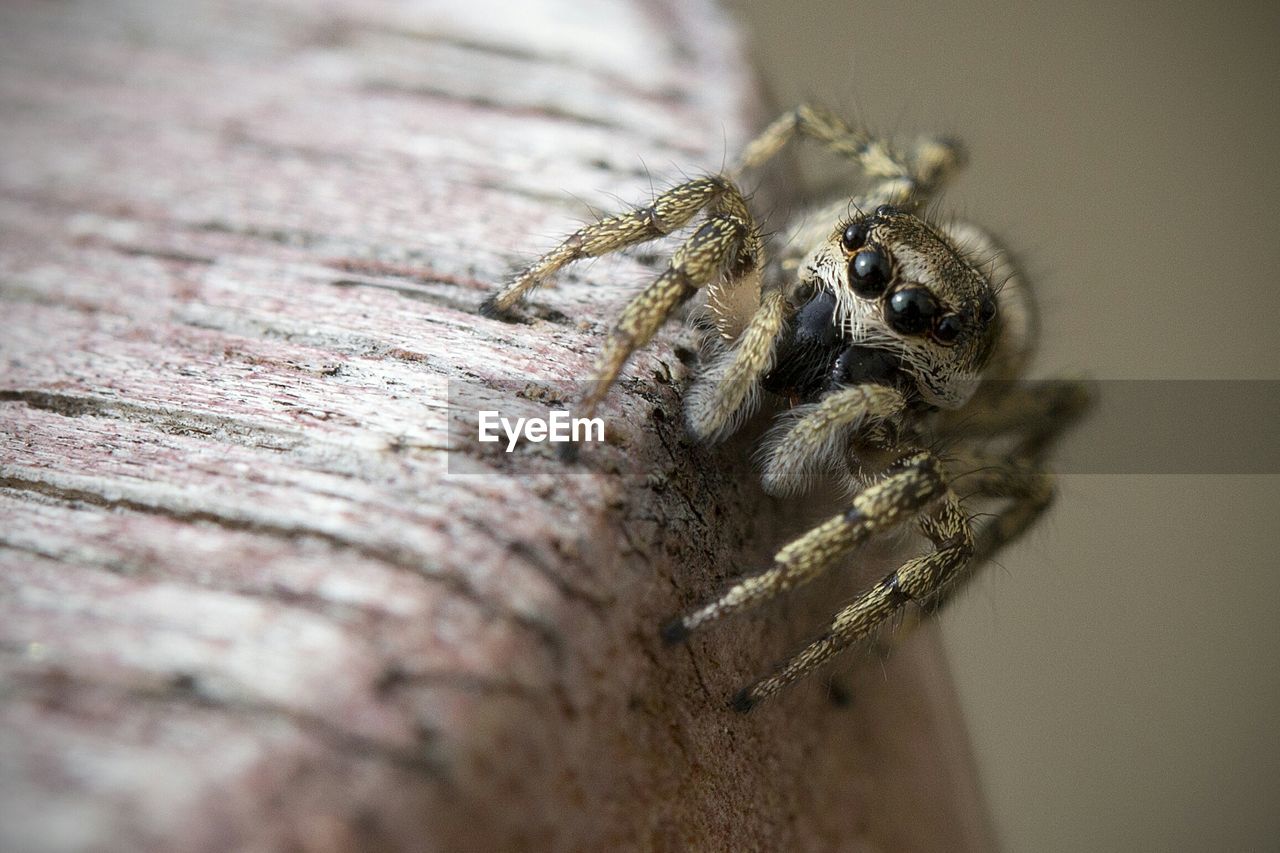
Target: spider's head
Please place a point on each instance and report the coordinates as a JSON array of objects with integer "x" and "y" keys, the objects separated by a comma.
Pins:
[{"x": 903, "y": 286}]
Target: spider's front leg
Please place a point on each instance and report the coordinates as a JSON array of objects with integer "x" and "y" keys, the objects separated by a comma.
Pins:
[
  {"x": 726, "y": 244},
  {"x": 818, "y": 434},
  {"x": 910, "y": 486},
  {"x": 669, "y": 212},
  {"x": 1028, "y": 490},
  {"x": 918, "y": 581}
]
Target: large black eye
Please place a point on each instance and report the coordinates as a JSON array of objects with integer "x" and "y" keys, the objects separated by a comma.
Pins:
[
  {"x": 947, "y": 329},
  {"x": 911, "y": 311},
  {"x": 869, "y": 273},
  {"x": 854, "y": 236}
]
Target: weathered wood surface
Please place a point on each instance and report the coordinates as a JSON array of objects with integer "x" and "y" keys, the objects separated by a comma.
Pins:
[{"x": 242, "y": 603}]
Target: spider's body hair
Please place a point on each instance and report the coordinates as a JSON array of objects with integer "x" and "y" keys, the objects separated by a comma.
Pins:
[
  {"x": 924, "y": 256},
  {"x": 888, "y": 334}
]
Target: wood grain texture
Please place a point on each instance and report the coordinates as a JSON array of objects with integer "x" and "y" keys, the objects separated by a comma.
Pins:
[{"x": 245, "y": 602}]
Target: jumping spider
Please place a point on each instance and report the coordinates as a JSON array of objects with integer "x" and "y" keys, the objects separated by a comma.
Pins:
[{"x": 892, "y": 337}]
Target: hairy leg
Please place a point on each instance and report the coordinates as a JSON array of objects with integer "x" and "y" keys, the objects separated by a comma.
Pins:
[
  {"x": 1028, "y": 490},
  {"x": 669, "y": 212},
  {"x": 726, "y": 244},
  {"x": 919, "y": 580},
  {"x": 818, "y": 434},
  {"x": 727, "y": 389},
  {"x": 904, "y": 178},
  {"x": 1034, "y": 414},
  {"x": 903, "y": 492}
]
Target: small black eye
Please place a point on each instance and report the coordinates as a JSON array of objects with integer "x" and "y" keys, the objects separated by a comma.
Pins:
[
  {"x": 869, "y": 273},
  {"x": 886, "y": 210},
  {"x": 854, "y": 236},
  {"x": 947, "y": 329},
  {"x": 911, "y": 311},
  {"x": 987, "y": 310}
]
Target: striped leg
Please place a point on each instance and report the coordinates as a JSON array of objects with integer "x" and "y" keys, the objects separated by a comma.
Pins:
[
  {"x": 727, "y": 243},
  {"x": 906, "y": 490},
  {"x": 904, "y": 178},
  {"x": 919, "y": 580},
  {"x": 727, "y": 391},
  {"x": 669, "y": 212},
  {"x": 1028, "y": 489}
]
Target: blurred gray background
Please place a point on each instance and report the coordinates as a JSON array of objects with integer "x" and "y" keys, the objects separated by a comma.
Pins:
[{"x": 1119, "y": 668}]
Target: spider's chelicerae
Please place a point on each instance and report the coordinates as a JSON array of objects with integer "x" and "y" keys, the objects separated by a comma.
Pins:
[{"x": 893, "y": 338}]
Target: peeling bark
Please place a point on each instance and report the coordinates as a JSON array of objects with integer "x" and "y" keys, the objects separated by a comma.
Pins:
[{"x": 243, "y": 601}]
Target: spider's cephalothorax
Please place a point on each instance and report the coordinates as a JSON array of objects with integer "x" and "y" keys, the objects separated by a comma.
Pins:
[
  {"x": 888, "y": 335},
  {"x": 887, "y": 292}
]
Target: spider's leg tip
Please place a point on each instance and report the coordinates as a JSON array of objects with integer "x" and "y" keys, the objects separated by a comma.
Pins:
[
  {"x": 743, "y": 701},
  {"x": 674, "y": 632},
  {"x": 489, "y": 308}
]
